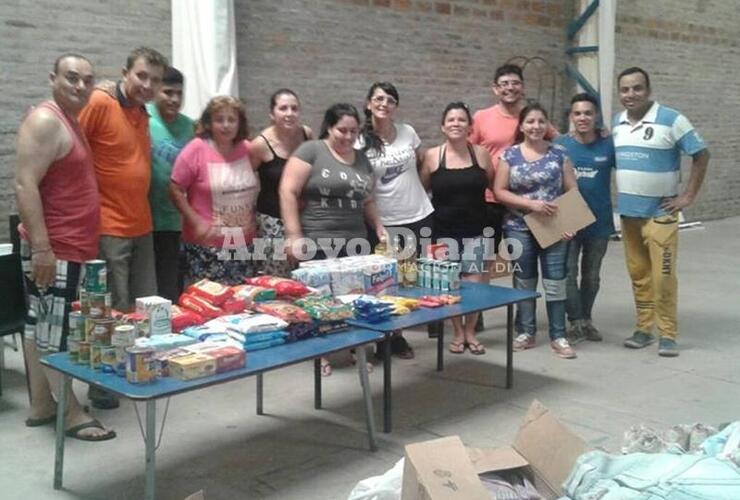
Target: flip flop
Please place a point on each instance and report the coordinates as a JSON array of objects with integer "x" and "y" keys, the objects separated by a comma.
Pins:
[
  {"x": 457, "y": 347},
  {"x": 476, "y": 348},
  {"x": 38, "y": 422},
  {"x": 74, "y": 432}
]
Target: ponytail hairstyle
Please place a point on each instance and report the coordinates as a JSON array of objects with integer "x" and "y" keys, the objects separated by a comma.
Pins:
[
  {"x": 369, "y": 136},
  {"x": 535, "y": 106}
]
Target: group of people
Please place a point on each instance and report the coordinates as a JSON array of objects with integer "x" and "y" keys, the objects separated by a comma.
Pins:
[{"x": 118, "y": 173}]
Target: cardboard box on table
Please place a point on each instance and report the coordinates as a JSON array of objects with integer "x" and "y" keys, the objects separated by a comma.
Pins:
[{"x": 444, "y": 469}]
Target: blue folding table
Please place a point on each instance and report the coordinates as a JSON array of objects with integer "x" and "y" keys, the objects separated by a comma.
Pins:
[
  {"x": 258, "y": 362},
  {"x": 475, "y": 297}
]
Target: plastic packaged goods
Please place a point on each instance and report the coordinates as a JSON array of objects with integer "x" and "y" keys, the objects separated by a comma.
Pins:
[
  {"x": 290, "y": 313},
  {"x": 200, "y": 306},
  {"x": 234, "y": 305},
  {"x": 318, "y": 277},
  {"x": 246, "y": 323},
  {"x": 213, "y": 292},
  {"x": 325, "y": 308},
  {"x": 159, "y": 312},
  {"x": 164, "y": 342},
  {"x": 253, "y": 293},
  {"x": 183, "y": 318},
  {"x": 282, "y": 286},
  {"x": 371, "y": 309}
]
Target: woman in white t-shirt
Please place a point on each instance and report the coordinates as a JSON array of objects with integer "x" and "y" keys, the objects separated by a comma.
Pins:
[{"x": 402, "y": 202}]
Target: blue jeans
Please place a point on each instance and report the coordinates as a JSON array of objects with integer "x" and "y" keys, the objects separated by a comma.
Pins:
[
  {"x": 581, "y": 298},
  {"x": 552, "y": 260}
]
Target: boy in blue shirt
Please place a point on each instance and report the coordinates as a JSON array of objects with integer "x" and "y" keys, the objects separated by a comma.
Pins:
[{"x": 593, "y": 160}]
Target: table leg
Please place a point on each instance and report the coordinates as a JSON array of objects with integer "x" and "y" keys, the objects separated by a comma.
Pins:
[
  {"x": 64, "y": 381},
  {"x": 387, "y": 411},
  {"x": 509, "y": 346},
  {"x": 440, "y": 346},
  {"x": 259, "y": 394},
  {"x": 150, "y": 483},
  {"x": 367, "y": 396},
  {"x": 317, "y": 383}
]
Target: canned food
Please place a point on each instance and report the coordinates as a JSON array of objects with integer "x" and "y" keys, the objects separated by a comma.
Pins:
[
  {"x": 84, "y": 303},
  {"x": 108, "y": 355},
  {"x": 96, "y": 276},
  {"x": 139, "y": 321},
  {"x": 73, "y": 348},
  {"x": 100, "y": 330},
  {"x": 76, "y": 324},
  {"x": 120, "y": 365},
  {"x": 123, "y": 335},
  {"x": 83, "y": 356},
  {"x": 96, "y": 351},
  {"x": 140, "y": 367},
  {"x": 99, "y": 305}
]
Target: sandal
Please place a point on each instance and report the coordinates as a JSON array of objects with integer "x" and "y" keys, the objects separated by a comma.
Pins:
[
  {"x": 475, "y": 348},
  {"x": 457, "y": 347},
  {"x": 401, "y": 348},
  {"x": 38, "y": 422},
  {"x": 74, "y": 432}
]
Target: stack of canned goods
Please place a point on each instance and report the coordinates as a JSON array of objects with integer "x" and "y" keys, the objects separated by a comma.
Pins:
[
  {"x": 440, "y": 275},
  {"x": 95, "y": 337}
]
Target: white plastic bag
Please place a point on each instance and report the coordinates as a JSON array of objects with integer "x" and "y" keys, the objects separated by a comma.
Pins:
[{"x": 385, "y": 487}]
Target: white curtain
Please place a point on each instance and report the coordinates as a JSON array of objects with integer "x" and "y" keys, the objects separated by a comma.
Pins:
[{"x": 204, "y": 50}]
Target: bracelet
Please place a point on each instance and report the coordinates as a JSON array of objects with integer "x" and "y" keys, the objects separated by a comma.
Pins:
[{"x": 40, "y": 250}]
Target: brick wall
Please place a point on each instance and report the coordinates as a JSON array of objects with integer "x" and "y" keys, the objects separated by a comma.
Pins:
[
  {"x": 434, "y": 51},
  {"x": 690, "y": 48},
  {"x": 34, "y": 33}
]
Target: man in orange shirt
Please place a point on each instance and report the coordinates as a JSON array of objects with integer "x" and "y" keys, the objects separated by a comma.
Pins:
[{"x": 117, "y": 128}]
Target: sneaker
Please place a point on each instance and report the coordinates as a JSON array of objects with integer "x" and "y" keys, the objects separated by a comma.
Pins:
[
  {"x": 524, "y": 341},
  {"x": 575, "y": 333},
  {"x": 667, "y": 348},
  {"x": 590, "y": 331},
  {"x": 639, "y": 339},
  {"x": 562, "y": 348}
]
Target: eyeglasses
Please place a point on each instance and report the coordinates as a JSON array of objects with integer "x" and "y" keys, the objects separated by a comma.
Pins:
[
  {"x": 509, "y": 83},
  {"x": 384, "y": 99}
]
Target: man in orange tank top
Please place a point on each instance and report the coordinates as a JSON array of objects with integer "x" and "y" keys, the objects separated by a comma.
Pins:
[{"x": 57, "y": 199}]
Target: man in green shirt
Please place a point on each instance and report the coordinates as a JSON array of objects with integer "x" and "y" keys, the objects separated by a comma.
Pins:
[{"x": 170, "y": 131}]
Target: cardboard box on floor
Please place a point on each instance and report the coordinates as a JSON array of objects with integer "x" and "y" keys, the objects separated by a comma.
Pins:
[{"x": 444, "y": 469}]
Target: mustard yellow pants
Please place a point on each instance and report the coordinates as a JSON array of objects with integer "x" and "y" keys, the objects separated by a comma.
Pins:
[{"x": 650, "y": 248}]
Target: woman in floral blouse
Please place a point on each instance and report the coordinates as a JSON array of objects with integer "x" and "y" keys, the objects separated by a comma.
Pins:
[{"x": 530, "y": 175}]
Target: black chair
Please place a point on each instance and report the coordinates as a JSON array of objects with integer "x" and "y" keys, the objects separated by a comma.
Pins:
[
  {"x": 13, "y": 304},
  {"x": 15, "y": 237}
]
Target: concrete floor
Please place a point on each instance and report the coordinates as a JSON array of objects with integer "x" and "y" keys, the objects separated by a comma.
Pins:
[{"x": 214, "y": 441}]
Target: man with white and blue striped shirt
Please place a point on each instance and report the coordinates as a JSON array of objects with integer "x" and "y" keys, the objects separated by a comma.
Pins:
[{"x": 649, "y": 139}]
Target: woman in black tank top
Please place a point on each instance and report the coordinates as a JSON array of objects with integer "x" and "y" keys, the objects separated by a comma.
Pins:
[
  {"x": 269, "y": 153},
  {"x": 458, "y": 174}
]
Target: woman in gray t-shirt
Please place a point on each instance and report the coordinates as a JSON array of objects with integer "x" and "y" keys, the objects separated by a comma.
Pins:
[{"x": 333, "y": 184}]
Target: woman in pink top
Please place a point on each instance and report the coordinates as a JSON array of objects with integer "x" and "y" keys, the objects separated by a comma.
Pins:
[{"x": 214, "y": 186}]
